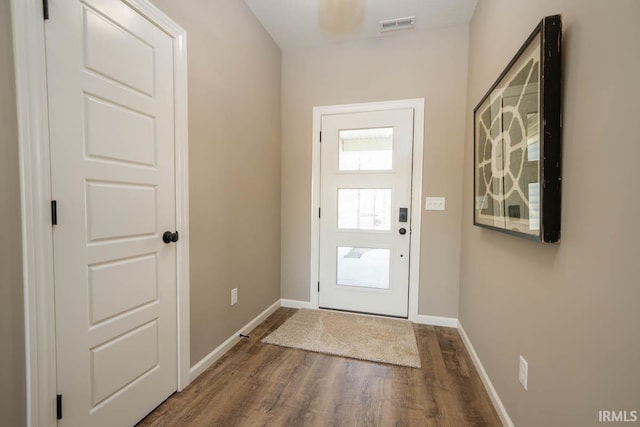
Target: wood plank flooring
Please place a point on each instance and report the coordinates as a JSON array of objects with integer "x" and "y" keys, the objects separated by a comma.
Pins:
[{"x": 257, "y": 384}]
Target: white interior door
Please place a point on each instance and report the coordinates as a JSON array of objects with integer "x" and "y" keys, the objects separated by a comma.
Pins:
[
  {"x": 111, "y": 104},
  {"x": 365, "y": 204}
]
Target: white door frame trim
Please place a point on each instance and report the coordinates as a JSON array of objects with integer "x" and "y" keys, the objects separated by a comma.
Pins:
[
  {"x": 35, "y": 187},
  {"x": 417, "y": 105}
]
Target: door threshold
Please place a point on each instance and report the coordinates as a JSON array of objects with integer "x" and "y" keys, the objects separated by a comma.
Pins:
[{"x": 364, "y": 313}]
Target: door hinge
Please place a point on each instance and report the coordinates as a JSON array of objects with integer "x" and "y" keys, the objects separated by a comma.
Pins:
[
  {"x": 318, "y": 286},
  {"x": 45, "y": 9},
  {"x": 320, "y": 136},
  {"x": 54, "y": 212},
  {"x": 319, "y": 212},
  {"x": 59, "y": 406}
]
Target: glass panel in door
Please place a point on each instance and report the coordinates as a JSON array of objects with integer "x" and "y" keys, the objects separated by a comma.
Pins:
[
  {"x": 366, "y": 149},
  {"x": 364, "y": 209},
  {"x": 365, "y": 267}
]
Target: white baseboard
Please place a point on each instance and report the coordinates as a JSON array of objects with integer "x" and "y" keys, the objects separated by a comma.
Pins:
[
  {"x": 488, "y": 385},
  {"x": 449, "y": 322},
  {"x": 216, "y": 354},
  {"x": 292, "y": 303}
]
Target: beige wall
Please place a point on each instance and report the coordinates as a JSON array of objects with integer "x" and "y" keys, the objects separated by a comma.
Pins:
[
  {"x": 572, "y": 309},
  {"x": 12, "y": 366},
  {"x": 430, "y": 65},
  {"x": 234, "y": 160}
]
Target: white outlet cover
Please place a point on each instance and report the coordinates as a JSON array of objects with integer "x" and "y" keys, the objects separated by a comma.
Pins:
[
  {"x": 434, "y": 204},
  {"x": 523, "y": 372},
  {"x": 234, "y": 296}
]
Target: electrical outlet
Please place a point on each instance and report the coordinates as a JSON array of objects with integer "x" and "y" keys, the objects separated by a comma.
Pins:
[
  {"x": 434, "y": 204},
  {"x": 234, "y": 296},
  {"x": 523, "y": 372}
]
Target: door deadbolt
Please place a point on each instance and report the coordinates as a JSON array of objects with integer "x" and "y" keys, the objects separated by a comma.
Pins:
[{"x": 403, "y": 215}]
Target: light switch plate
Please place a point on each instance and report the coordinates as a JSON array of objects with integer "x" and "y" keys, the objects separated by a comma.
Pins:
[
  {"x": 523, "y": 372},
  {"x": 434, "y": 204}
]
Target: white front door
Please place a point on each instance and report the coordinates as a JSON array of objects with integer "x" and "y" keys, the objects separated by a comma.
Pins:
[
  {"x": 365, "y": 204},
  {"x": 111, "y": 104}
]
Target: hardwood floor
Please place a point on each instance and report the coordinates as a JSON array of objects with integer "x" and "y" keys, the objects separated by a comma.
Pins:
[{"x": 257, "y": 384}]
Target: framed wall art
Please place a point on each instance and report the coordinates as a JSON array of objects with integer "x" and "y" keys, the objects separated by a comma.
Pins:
[{"x": 518, "y": 142}]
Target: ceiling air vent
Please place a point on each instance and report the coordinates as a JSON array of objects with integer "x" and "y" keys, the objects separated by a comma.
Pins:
[{"x": 398, "y": 24}]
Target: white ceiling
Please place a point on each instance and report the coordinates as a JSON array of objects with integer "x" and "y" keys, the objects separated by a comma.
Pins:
[{"x": 295, "y": 23}]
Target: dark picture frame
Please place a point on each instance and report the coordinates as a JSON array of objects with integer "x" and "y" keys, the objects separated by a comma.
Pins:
[{"x": 518, "y": 142}]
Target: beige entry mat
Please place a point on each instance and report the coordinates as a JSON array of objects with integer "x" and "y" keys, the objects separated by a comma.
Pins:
[{"x": 350, "y": 335}]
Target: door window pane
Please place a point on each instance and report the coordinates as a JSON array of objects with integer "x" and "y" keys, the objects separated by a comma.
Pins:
[
  {"x": 364, "y": 267},
  {"x": 366, "y": 149},
  {"x": 364, "y": 208}
]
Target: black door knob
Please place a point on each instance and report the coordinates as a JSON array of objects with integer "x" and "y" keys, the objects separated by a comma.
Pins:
[
  {"x": 402, "y": 231},
  {"x": 169, "y": 237}
]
